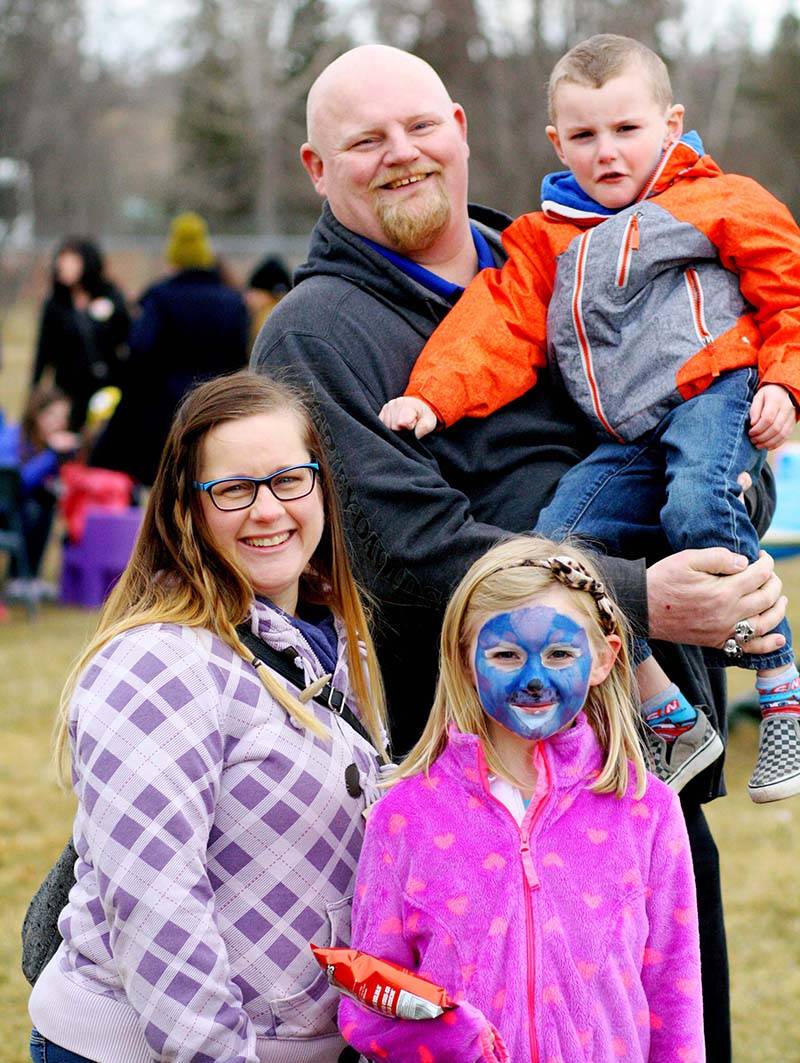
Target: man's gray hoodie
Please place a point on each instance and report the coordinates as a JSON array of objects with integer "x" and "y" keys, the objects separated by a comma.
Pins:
[{"x": 418, "y": 513}]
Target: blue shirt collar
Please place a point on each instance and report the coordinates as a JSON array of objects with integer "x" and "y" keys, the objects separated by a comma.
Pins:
[{"x": 425, "y": 277}]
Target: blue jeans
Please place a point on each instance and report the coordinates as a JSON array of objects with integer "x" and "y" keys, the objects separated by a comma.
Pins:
[
  {"x": 679, "y": 478},
  {"x": 44, "y": 1051}
]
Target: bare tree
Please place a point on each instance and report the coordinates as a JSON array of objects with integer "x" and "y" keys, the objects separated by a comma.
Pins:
[
  {"x": 52, "y": 102},
  {"x": 284, "y": 46},
  {"x": 215, "y": 152}
]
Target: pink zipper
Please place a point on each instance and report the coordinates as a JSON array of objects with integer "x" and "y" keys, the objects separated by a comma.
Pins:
[
  {"x": 630, "y": 243},
  {"x": 530, "y": 819},
  {"x": 529, "y": 822}
]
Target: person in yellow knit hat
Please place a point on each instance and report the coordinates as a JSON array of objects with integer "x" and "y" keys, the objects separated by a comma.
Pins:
[
  {"x": 189, "y": 246},
  {"x": 192, "y": 327}
]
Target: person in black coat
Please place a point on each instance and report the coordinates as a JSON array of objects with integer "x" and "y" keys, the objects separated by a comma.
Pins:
[
  {"x": 84, "y": 327},
  {"x": 192, "y": 327}
]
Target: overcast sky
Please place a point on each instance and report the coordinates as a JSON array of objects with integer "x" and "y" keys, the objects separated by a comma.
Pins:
[{"x": 127, "y": 29}]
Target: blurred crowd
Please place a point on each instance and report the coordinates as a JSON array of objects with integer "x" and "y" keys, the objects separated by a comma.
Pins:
[{"x": 107, "y": 376}]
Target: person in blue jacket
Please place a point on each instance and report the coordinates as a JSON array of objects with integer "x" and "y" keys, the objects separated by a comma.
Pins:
[{"x": 37, "y": 446}]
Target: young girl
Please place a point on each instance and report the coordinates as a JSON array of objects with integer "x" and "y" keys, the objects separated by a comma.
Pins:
[
  {"x": 37, "y": 446},
  {"x": 526, "y": 861}
]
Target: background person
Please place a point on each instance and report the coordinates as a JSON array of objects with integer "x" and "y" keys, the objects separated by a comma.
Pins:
[
  {"x": 192, "y": 327},
  {"x": 216, "y": 832},
  {"x": 37, "y": 447},
  {"x": 84, "y": 327},
  {"x": 266, "y": 286}
]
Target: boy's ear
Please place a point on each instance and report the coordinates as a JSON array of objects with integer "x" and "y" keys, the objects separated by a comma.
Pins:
[
  {"x": 555, "y": 140},
  {"x": 674, "y": 124}
]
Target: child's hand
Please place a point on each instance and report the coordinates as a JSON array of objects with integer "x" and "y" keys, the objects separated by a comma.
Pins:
[
  {"x": 408, "y": 412},
  {"x": 772, "y": 417},
  {"x": 493, "y": 1049}
]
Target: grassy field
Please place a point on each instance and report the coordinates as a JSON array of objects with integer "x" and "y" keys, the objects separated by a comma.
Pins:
[{"x": 760, "y": 846}]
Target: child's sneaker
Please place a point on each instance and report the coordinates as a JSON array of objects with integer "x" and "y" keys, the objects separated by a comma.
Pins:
[
  {"x": 676, "y": 762},
  {"x": 777, "y": 770}
]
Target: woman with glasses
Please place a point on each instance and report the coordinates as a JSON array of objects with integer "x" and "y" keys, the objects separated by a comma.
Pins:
[{"x": 220, "y": 798}]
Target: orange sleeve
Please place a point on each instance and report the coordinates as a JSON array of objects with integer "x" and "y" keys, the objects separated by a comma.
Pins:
[
  {"x": 758, "y": 239},
  {"x": 487, "y": 350}
]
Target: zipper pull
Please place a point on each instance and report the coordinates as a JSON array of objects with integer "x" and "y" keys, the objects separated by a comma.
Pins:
[
  {"x": 634, "y": 235},
  {"x": 527, "y": 864}
]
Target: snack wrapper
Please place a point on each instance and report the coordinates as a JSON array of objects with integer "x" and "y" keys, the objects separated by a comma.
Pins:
[{"x": 382, "y": 986}]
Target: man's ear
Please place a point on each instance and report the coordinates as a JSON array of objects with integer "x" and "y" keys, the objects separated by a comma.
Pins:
[
  {"x": 460, "y": 118},
  {"x": 555, "y": 140},
  {"x": 674, "y": 124},
  {"x": 312, "y": 163}
]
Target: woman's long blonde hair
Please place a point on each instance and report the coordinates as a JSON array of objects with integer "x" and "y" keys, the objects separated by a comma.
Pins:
[
  {"x": 177, "y": 575},
  {"x": 498, "y": 582}
]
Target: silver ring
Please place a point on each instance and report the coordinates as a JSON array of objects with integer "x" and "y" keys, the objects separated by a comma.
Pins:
[
  {"x": 732, "y": 650},
  {"x": 743, "y": 632}
]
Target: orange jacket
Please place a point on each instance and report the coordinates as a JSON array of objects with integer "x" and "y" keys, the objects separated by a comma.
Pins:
[{"x": 636, "y": 312}]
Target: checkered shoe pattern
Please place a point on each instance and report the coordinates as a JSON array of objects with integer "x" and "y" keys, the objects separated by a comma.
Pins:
[{"x": 777, "y": 770}]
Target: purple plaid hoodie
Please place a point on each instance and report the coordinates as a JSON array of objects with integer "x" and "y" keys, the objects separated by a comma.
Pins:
[
  {"x": 216, "y": 838},
  {"x": 574, "y": 936}
]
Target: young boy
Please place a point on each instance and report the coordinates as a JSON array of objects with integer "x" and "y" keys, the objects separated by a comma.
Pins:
[{"x": 666, "y": 295}]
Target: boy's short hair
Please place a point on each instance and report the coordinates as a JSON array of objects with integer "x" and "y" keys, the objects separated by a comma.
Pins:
[{"x": 600, "y": 58}]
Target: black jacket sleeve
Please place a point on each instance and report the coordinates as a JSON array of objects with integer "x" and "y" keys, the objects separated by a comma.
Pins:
[{"x": 46, "y": 343}]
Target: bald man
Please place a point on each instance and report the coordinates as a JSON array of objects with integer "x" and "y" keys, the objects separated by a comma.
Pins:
[
  {"x": 395, "y": 175},
  {"x": 394, "y": 247}
]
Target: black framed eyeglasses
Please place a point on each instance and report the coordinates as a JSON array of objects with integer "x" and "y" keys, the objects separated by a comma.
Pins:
[{"x": 239, "y": 492}]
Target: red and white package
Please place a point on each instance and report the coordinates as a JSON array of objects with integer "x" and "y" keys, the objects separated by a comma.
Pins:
[{"x": 382, "y": 986}]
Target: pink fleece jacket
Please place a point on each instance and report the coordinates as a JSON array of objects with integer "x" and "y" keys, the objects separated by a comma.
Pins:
[{"x": 571, "y": 938}]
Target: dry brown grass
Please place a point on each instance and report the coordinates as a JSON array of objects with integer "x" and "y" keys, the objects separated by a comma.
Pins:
[
  {"x": 760, "y": 851},
  {"x": 760, "y": 846},
  {"x": 35, "y": 815}
]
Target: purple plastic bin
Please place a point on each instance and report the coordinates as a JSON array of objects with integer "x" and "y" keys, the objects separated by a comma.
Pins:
[{"x": 90, "y": 568}]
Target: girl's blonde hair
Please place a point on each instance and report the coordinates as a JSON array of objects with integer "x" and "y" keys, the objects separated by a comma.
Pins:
[
  {"x": 503, "y": 580},
  {"x": 177, "y": 575}
]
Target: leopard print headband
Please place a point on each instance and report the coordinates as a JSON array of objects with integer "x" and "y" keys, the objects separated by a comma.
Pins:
[{"x": 575, "y": 576}]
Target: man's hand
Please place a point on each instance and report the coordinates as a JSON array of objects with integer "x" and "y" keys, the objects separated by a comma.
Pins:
[
  {"x": 697, "y": 596},
  {"x": 772, "y": 417},
  {"x": 408, "y": 412}
]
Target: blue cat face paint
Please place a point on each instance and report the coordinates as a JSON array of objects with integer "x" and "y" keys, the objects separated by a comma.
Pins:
[{"x": 532, "y": 667}]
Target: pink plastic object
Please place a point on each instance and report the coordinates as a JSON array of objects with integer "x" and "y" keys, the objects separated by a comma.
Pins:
[{"x": 90, "y": 568}]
